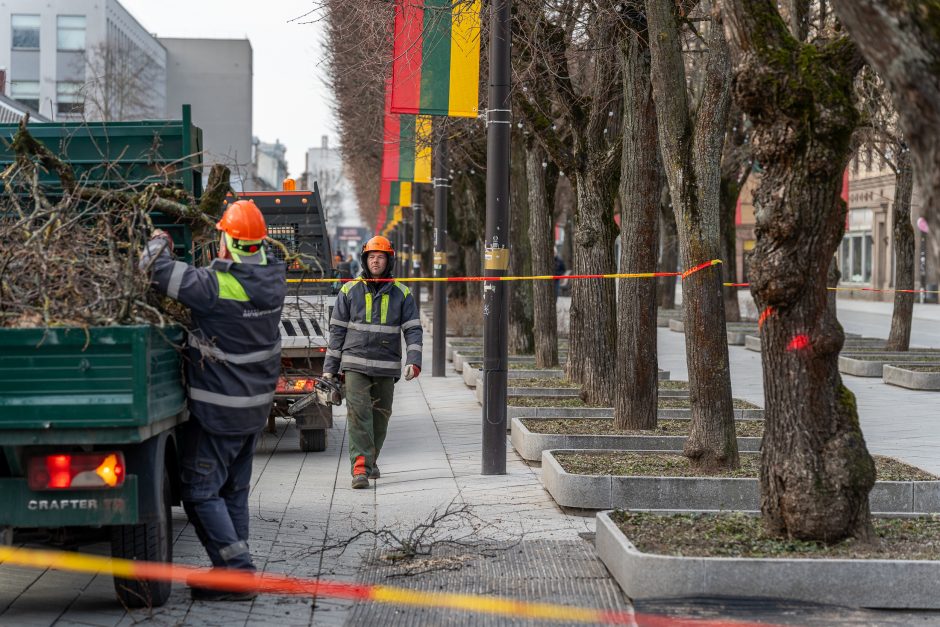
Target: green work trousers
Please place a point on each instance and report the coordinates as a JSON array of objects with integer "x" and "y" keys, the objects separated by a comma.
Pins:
[{"x": 369, "y": 407}]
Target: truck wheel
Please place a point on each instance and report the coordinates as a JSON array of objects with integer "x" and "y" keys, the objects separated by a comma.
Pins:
[
  {"x": 312, "y": 440},
  {"x": 151, "y": 542}
]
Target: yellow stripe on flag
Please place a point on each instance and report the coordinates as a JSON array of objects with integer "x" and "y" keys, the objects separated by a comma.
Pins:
[
  {"x": 423, "y": 149},
  {"x": 464, "y": 59},
  {"x": 404, "y": 198}
]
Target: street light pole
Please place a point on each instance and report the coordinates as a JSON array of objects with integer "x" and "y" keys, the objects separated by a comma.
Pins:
[
  {"x": 416, "y": 218},
  {"x": 496, "y": 255},
  {"x": 441, "y": 190}
]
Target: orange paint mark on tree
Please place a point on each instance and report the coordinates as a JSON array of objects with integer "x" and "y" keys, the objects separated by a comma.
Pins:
[{"x": 798, "y": 343}]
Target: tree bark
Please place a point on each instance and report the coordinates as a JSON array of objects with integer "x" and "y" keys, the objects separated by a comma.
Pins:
[
  {"x": 521, "y": 332},
  {"x": 593, "y": 308},
  {"x": 816, "y": 472},
  {"x": 669, "y": 248},
  {"x": 691, "y": 152},
  {"x": 900, "y": 40},
  {"x": 541, "y": 184},
  {"x": 900, "y": 337},
  {"x": 636, "y": 392}
]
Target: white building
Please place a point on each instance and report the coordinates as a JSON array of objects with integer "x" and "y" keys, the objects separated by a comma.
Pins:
[
  {"x": 270, "y": 164},
  {"x": 325, "y": 167},
  {"x": 81, "y": 59}
]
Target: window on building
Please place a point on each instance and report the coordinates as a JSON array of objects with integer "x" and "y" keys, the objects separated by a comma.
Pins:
[
  {"x": 26, "y": 92},
  {"x": 69, "y": 98},
  {"x": 70, "y": 34},
  {"x": 855, "y": 256},
  {"x": 25, "y": 31}
]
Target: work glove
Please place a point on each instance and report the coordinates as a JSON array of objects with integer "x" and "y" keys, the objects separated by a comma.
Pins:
[
  {"x": 160, "y": 233},
  {"x": 411, "y": 372},
  {"x": 328, "y": 375}
]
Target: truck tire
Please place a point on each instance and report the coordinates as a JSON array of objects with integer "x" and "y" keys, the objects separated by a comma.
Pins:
[
  {"x": 151, "y": 542},
  {"x": 312, "y": 440}
]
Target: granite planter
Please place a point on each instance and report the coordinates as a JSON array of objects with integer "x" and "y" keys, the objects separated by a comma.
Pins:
[
  {"x": 530, "y": 445},
  {"x": 879, "y": 583},
  {"x": 705, "y": 493},
  {"x": 901, "y": 376},
  {"x": 873, "y": 364}
]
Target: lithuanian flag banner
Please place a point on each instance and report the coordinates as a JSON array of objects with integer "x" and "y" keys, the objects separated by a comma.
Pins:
[
  {"x": 380, "y": 220},
  {"x": 436, "y": 64},
  {"x": 393, "y": 193},
  {"x": 406, "y": 154},
  {"x": 395, "y": 221}
]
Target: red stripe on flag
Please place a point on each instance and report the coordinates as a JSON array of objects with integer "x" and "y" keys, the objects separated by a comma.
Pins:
[
  {"x": 407, "y": 56},
  {"x": 385, "y": 193},
  {"x": 391, "y": 138}
]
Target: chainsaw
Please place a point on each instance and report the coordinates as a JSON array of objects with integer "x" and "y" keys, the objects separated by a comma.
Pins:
[{"x": 326, "y": 392}]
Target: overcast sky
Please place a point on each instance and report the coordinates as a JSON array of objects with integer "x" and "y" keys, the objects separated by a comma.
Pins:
[{"x": 291, "y": 102}]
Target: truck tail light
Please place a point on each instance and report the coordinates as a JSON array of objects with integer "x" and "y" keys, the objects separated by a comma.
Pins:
[
  {"x": 76, "y": 471},
  {"x": 294, "y": 385}
]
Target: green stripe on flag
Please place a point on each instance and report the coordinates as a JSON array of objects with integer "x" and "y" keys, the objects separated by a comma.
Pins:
[
  {"x": 435, "y": 51},
  {"x": 406, "y": 148}
]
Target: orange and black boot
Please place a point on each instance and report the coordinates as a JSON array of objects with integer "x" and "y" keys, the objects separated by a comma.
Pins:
[{"x": 360, "y": 479}]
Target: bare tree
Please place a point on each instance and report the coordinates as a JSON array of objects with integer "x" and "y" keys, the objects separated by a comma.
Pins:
[
  {"x": 542, "y": 178},
  {"x": 691, "y": 144},
  {"x": 816, "y": 472},
  {"x": 636, "y": 397},
  {"x": 120, "y": 79}
]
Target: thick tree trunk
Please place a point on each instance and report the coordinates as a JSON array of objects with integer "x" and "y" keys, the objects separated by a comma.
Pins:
[
  {"x": 691, "y": 153},
  {"x": 541, "y": 239},
  {"x": 593, "y": 310},
  {"x": 900, "y": 337},
  {"x": 635, "y": 398},
  {"x": 816, "y": 472},
  {"x": 668, "y": 251},
  {"x": 521, "y": 334}
]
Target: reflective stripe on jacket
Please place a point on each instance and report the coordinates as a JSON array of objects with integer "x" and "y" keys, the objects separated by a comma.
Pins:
[
  {"x": 234, "y": 353},
  {"x": 367, "y": 327}
]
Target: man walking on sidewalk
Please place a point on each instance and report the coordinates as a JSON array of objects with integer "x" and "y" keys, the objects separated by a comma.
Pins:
[{"x": 365, "y": 343}]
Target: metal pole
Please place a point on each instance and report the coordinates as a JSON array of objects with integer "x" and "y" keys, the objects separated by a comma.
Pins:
[
  {"x": 923, "y": 267},
  {"x": 441, "y": 190},
  {"x": 496, "y": 255},
  {"x": 416, "y": 219}
]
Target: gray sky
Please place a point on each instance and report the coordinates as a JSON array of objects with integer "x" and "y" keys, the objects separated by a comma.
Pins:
[{"x": 291, "y": 103}]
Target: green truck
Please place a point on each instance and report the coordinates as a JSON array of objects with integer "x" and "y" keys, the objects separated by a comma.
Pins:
[{"x": 88, "y": 417}]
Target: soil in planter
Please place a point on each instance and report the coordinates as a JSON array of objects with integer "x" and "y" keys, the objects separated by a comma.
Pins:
[
  {"x": 740, "y": 535},
  {"x": 605, "y": 426},
  {"x": 664, "y": 403},
  {"x": 673, "y": 385},
  {"x": 673, "y": 465},
  {"x": 553, "y": 382}
]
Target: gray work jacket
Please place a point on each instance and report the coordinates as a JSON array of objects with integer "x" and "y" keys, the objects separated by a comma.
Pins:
[
  {"x": 233, "y": 359},
  {"x": 367, "y": 326}
]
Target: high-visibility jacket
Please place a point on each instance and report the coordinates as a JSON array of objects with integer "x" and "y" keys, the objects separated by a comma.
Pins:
[
  {"x": 367, "y": 326},
  {"x": 233, "y": 357}
]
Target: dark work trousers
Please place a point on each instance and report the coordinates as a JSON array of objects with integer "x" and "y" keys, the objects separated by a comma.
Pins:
[
  {"x": 216, "y": 475},
  {"x": 369, "y": 407}
]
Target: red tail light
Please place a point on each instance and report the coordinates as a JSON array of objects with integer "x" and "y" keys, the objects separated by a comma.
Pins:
[
  {"x": 294, "y": 385},
  {"x": 76, "y": 471}
]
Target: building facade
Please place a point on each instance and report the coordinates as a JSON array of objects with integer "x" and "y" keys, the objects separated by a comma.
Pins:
[
  {"x": 81, "y": 59},
  {"x": 270, "y": 165},
  {"x": 326, "y": 168},
  {"x": 214, "y": 76},
  {"x": 866, "y": 254}
]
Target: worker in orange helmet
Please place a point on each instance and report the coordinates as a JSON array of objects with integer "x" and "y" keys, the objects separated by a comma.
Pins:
[
  {"x": 371, "y": 314},
  {"x": 233, "y": 362}
]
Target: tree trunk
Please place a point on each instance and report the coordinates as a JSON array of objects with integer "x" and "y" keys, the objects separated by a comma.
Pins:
[
  {"x": 691, "y": 152},
  {"x": 521, "y": 335},
  {"x": 900, "y": 337},
  {"x": 729, "y": 251},
  {"x": 669, "y": 250},
  {"x": 636, "y": 393},
  {"x": 541, "y": 240},
  {"x": 899, "y": 40},
  {"x": 816, "y": 472},
  {"x": 593, "y": 308}
]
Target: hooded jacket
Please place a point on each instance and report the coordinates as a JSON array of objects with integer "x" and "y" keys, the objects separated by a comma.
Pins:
[
  {"x": 366, "y": 329},
  {"x": 234, "y": 352}
]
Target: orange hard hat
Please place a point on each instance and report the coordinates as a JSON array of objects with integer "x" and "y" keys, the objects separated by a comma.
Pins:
[
  {"x": 378, "y": 244},
  {"x": 243, "y": 220}
]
